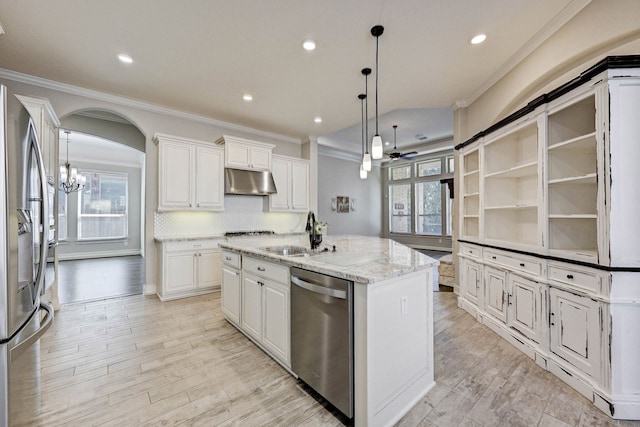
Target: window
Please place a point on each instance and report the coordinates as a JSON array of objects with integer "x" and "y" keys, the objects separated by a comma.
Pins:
[
  {"x": 102, "y": 206},
  {"x": 419, "y": 202},
  {"x": 400, "y": 201},
  {"x": 62, "y": 216},
  {"x": 429, "y": 208}
]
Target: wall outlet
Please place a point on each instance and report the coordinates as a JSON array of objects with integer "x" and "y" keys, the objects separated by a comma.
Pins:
[{"x": 404, "y": 306}]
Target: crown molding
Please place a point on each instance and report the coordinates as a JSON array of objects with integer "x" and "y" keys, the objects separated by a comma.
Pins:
[
  {"x": 558, "y": 21},
  {"x": 137, "y": 104}
]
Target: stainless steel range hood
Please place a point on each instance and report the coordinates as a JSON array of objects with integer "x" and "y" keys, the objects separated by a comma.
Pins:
[{"x": 249, "y": 183}]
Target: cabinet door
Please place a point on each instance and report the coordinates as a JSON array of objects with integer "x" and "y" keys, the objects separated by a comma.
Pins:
[
  {"x": 209, "y": 264},
  {"x": 230, "y": 300},
  {"x": 209, "y": 179},
  {"x": 525, "y": 307},
  {"x": 252, "y": 305},
  {"x": 282, "y": 176},
  {"x": 260, "y": 158},
  {"x": 275, "y": 319},
  {"x": 179, "y": 272},
  {"x": 575, "y": 327},
  {"x": 495, "y": 293},
  {"x": 237, "y": 155},
  {"x": 175, "y": 176},
  {"x": 471, "y": 281},
  {"x": 299, "y": 186}
]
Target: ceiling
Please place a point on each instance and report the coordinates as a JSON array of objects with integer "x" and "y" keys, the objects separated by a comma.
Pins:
[{"x": 201, "y": 56}]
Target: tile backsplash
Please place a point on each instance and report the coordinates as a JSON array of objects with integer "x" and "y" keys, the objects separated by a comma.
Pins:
[{"x": 240, "y": 213}]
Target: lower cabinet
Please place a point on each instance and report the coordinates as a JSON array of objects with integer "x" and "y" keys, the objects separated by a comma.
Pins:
[
  {"x": 256, "y": 300},
  {"x": 575, "y": 325},
  {"x": 495, "y": 285},
  {"x": 230, "y": 300},
  {"x": 526, "y": 307},
  {"x": 472, "y": 281},
  {"x": 188, "y": 268}
]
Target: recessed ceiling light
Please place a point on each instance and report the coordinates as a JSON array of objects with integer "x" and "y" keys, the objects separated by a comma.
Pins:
[
  {"x": 125, "y": 58},
  {"x": 309, "y": 44},
  {"x": 247, "y": 97},
  {"x": 478, "y": 39},
  {"x": 318, "y": 119}
]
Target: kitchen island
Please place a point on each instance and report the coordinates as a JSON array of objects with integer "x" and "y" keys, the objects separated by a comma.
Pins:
[{"x": 392, "y": 312}]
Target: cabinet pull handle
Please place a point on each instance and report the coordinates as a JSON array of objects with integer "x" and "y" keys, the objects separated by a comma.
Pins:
[
  {"x": 522, "y": 264},
  {"x": 493, "y": 257},
  {"x": 227, "y": 258},
  {"x": 261, "y": 269},
  {"x": 237, "y": 273},
  {"x": 553, "y": 314},
  {"x": 552, "y": 324},
  {"x": 260, "y": 283},
  {"x": 509, "y": 299},
  {"x": 569, "y": 276}
]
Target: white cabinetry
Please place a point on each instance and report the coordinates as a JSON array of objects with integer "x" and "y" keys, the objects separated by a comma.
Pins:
[
  {"x": 549, "y": 198},
  {"x": 47, "y": 124},
  {"x": 576, "y": 324},
  {"x": 291, "y": 176},
  {"x": 242, "y": 153},
  {"x": 188, "y": 268},
  {"x": 265, "y": 306},
  {"x": 190, "y": 174},
  {"x": 231, "y": 286}
]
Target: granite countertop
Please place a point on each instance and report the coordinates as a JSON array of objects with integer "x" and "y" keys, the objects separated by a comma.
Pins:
[
  {"x": 161, "y": 239},
  {"x": 361, "y": 259}
]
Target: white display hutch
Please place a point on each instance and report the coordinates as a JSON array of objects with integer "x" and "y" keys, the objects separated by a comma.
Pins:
[{"x": 549, "y": 240}]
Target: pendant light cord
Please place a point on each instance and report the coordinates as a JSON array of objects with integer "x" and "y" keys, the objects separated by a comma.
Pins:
[
  {"x": 377, "y": 71},
  {"x": 366, "y": 91}
]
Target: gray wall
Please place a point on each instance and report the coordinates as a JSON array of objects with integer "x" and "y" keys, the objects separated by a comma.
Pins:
[
  {"x": 341, "y": 177},
  {"x": 72, "y": 249},
  {"x": 123, "y": 133}
]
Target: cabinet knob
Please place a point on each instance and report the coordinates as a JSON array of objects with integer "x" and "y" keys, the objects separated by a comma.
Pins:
[
  {"x": 552, "y": 324},
  {"x": 261, "y": 269},
  {"x": 522, "y": 264},
  {"x": 493, "y": 257},
  {"x": 260, "y": 283},
  {"x": 569, "y": 276},
  {"x": 227, "y": 258},
  {"x": 553, "y": 314},
  {"x": 237, "y": 273}
]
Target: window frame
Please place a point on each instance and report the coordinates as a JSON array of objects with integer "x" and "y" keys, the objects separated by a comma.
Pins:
[{"x": 80, "y": 215}]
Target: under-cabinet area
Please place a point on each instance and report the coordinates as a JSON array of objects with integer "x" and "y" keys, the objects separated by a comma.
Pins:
[{"x": 548, "y": 247}]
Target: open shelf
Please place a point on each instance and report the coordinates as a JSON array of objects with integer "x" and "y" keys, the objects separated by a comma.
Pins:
[
  {"x": 471, "y": 162},
  {"x": 578, "y": 180},
  {"x": 501, "y": 191},
  {"x": 514, "y": 225},
  {"x": 471, "y": 226},
  {"x": 573, "y": 121},
  {"x": 574, "y": 234},
  {"x": 513, "y": 150},
  {"x": 522, "y": 206},
  {"x": 471, "y": 184},
  {"x": 582, "y": 142},
  {"x": 516, "y": 172}
]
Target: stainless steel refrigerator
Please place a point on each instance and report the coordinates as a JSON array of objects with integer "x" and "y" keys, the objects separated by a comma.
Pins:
[{"x": 24, "y": 228}]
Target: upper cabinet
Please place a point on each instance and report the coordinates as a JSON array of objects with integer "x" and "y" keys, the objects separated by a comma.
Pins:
[
  {"x": 190, "y": 174},
  {"x": 291, "y": 176},
  {"x": 242, "y": 153},
  {"x": 47, "y": 124},
  {"x": 560, "y": 177}
]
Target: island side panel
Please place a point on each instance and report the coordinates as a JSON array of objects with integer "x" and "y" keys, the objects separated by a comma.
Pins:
[{"x": 393, "y": 347}]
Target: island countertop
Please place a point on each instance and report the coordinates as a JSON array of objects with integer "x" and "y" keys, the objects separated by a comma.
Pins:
[{"x": 362, "y": 259}]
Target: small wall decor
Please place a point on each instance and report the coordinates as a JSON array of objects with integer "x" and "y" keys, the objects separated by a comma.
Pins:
[{"x": 343, "y": 204}]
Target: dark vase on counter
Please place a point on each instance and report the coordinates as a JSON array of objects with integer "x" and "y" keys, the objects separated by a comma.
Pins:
[{"x": 315, "y": 240}]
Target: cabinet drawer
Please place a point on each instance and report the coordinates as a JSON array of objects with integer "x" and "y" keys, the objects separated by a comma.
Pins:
[
  {"x": 231, "y": 259},
  {"x": 514, "y": 262},
  {"x": 267, "y": 270},
  {"x": 471, "y": 251},
  {"x": 190, "y": 245},
  {"x": 582, "y": 278}
]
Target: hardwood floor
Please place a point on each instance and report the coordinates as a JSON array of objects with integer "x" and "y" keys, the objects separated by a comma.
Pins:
[
  {"x": 100, "y": 278},
  {"x": 134, "y": 360}
]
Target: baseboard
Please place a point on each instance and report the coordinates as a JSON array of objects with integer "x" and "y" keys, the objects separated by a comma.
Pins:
[
  {"x": 150, "y": 289},
  {"x": 101, "y": 254}
]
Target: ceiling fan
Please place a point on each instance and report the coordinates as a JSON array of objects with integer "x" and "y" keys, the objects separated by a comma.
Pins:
[{"x": 395, "y": 154}]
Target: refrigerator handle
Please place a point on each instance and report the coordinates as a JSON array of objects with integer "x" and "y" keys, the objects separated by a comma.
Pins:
[
  {"x": 45, "y": 323},
  {"x": 44, "y": 206}
]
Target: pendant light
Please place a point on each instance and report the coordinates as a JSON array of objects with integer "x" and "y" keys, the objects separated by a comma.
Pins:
[
  {"x": 70, "y": 179},
  {"x": 376, "y": 143},
  {"x": 366, "y": 158},
  {"x": 362, "y": 97}
]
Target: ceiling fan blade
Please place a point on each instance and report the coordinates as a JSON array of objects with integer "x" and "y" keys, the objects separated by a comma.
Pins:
[{"x": 410, "y": 153}]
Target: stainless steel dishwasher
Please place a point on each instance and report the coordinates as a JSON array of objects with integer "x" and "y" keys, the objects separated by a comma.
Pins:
[{"x": 322, "y": 335}]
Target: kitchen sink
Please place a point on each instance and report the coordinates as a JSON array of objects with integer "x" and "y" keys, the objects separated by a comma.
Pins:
[{"x": 287, "y": 250}]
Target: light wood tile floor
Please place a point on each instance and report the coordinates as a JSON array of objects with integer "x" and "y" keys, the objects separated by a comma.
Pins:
[{"x": 133, "y": 361}]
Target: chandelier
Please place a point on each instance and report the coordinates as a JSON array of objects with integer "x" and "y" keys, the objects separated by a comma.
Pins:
[{"x": 70, "y": 179}]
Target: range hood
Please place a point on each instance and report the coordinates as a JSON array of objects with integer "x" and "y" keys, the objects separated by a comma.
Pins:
[{"x": 249, "y": 183}]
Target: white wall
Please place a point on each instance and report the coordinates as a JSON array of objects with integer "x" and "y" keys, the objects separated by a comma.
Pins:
[{"x": 341, "y": 177}]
